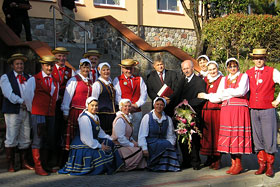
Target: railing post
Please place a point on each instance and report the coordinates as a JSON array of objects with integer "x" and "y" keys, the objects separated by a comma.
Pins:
[
  {"x": 54, "y": 27},
  {"x": 121, "y": 50},
  {"x": 85, "y": 41}
]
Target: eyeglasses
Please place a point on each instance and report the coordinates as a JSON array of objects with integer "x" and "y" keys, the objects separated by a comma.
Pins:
[{"x": 231, "y": 67}]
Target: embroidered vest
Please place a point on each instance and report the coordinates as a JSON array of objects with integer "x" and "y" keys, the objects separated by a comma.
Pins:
[{"x": 82, "y": 92}]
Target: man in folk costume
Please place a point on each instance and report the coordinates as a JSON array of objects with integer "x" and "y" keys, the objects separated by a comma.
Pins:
[
  {"x": 40, "y": 96},
  {"x": 131, "y": 87},
  {"x": 263, "y": 114},
  {"x": 93, "y": 56},
  {"x": 62, "y": 74},
  {"x": 17, "y": 118}
]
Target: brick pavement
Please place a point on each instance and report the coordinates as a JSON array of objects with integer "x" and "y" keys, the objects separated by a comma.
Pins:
[{"x": 187, "y": 177}]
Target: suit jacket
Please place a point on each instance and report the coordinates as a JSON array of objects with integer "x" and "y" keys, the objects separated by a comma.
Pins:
[
  {"x": 189, "y": 92},
  {"x": 154, "y": 83}
]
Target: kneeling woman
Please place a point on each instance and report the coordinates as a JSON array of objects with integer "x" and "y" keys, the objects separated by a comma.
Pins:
[
  {"x": 157, "y": 139},
  {"x": 129, "y": 150},
  {"x": 92, "y": 151}
]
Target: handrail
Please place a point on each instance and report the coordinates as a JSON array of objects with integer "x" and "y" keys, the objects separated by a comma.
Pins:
[
  {"x": 131, "y": 46},
  {"x": 74, "y": 21}
]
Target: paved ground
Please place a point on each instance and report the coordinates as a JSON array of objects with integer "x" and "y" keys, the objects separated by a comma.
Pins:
[{"x": 187, "y": 177}]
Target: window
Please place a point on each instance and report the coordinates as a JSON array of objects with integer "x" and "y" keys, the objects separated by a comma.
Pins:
[
  {"x": 169, "y": 6},
  {"x": 117, "y": 3}
]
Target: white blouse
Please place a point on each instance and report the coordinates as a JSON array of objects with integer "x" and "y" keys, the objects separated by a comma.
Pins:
[
  {"x": 225, "y": 94},
  {"x": 69, "y": 93},
  {"x": 119, "y": 129},
  {"x": 144, "y": 130},
  {"x": 96, "y": 87},
  {"x": 86, "y": 131}
]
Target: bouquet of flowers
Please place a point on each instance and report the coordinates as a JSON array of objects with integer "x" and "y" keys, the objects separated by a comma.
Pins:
[{"x": 186, "y": 117}]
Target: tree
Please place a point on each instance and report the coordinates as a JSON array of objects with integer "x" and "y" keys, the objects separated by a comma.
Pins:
[
  {"x": 264, "y": 7},
  {"x": 200, "y": 11}
]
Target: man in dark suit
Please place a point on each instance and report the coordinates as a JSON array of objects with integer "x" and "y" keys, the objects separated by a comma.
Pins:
[
  {"x": 157, "y": 78},
  {"x": 190, "y": 85}
]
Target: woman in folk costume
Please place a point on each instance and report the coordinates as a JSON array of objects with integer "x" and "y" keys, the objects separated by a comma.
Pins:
[
  {"x": 78, "y": 89},
  {"x": 129, "y": 150},
  {"x": 235, "y": 128},
  {"x": 103, "y": 89},
  {"x": 91, "y": 152},
  {"x": 211, "y": 116},
  {"x": 157, "y": 139}
]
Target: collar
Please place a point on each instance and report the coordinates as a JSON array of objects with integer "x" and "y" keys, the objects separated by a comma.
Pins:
[
  {"x": 128, "y": 117},
  {"x": 45, "y": 75},
  {"x": 94, "y": 116},
  {"x": 212, "y": 79},
  {"x": 190, "y": 77},
  {"x": 231, "y": 77},
  {"x": 204, "y": 73},
  {"x": 85, "y": 79},
  {"x": 163, "y": 73},
  {"x": 163, "y": 117},
  {"x": 126, "y": 76},
  {"x": 16, "y": 74},
  {"x": 57, "y": 66},
  {"x": 105, "y": 81},
  {"x": 256, "y": 68}
]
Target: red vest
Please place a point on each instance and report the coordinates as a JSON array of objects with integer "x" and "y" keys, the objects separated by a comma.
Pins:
[
  {"x": 62, "y": 80},
  {"x": 261, "y": 95},
  {"x": 212, "y": 88},
  {"x": 43, "y": 103},
  {"x": 235, "y": 101},
  {"x": 82, "y": 92},
  {"x": 127, "y": 91}
]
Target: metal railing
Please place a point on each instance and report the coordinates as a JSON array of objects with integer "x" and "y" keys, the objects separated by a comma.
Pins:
[
  {"x": 134, "y": 48},
  {"x": 52, "y": 7}
]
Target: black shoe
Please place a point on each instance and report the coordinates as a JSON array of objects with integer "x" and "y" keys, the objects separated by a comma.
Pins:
[{"x": 196, "y": 167}]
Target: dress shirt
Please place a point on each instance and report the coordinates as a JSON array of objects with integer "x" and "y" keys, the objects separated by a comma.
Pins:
[
  {"x": 7, "y": 89},
  {"x": 190, "y": 77},
  {"x": 143, "y": 92},
  {"x": 119, "y": 129},
  {"x": 30, "y": 88},
  {"x": 163, "y": 74},
  {"x": 96, "y": 87},
  {"x": 144, "y": 130},
  {"x": 86, "y": 135},
  {"x": 224, "y": 94},
  {"x": 69, "y": 93}
]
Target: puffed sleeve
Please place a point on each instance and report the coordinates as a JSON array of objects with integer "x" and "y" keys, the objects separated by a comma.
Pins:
[
  {"x": 29, "y": 93},
  {"x": 117, "y": 87},
  {"x": 119, "y": 129},
  {"x": 143, "y": 132},
  {"x": 143, "y": 94},
  {"x": 7, "y": 90},
  {"x": 96, "y": 89},
  {"x": 171, "y": 137},
  {"x": 68, "y": 95}
]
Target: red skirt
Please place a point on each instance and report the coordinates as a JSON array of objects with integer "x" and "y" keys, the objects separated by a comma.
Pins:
[
  {"x": 235, "y": 130},
  {"x": 210, "y": 132},
  {"x": 72, "y": 126}
]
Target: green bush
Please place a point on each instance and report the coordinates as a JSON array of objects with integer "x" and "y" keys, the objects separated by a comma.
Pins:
[{"x": 237, "y": 34}]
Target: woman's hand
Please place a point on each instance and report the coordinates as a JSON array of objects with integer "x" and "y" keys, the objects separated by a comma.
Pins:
[
  {"x": 135, "y": 143},
  {"x": 201, "y": 95},
  {"x": 146, "y": 153},
  {"x": 105, "y": 147}
]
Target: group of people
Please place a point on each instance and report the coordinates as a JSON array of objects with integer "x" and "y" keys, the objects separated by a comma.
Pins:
[{"x": 84, "y": 122}]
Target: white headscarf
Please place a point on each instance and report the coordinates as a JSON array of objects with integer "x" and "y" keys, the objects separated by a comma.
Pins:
[
  {"x": 100, "y": 66},
  {"x": 122, "y": 102},
  {"x": 203, "y": 56},
  {"x": 159, "y": 98},
  {"x": 83, "y": 60},
  {"x": 89, "y": 100}
]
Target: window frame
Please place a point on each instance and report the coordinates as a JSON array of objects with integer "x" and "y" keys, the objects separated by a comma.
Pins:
[
  {"x": 179, "y": 6},
  {"x": 122, "y": 4}
]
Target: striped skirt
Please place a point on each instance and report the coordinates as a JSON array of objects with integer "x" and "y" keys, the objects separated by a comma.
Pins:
[{"x": 235, "y": 130}]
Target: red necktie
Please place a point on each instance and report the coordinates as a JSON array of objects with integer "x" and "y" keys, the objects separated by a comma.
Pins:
[
  {"x": 61, "y": 71},
  {"x": 129, "y": 82},
  {"x": 161, "y": 77},
  {"x": 48, "y": 81},
  {"x": 93, "y": 74},
  {"x": 21, "y": 78}
]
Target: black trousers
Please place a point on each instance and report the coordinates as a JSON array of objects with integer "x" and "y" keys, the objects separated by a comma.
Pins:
[{"x": 16, "y": 22}]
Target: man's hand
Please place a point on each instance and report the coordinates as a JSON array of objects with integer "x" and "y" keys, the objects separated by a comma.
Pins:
[
  {"x": 135, "y": 144},
  {"x": 201, "y": 95},
  {"x": 167, "y": 99},
  {"x": 275, "y": 103},
  {"x": 134, "y": 107}
]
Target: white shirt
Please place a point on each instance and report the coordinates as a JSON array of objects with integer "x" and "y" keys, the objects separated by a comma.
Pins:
[
  {"x": 224, "y": 94},
  {"x": 144, "y": 130},
  {"x": 163, "y": 74},
  {"x": 30, "y": 88},
  {"x": 69, "y": 93},
  {"x": 86, "y": 131},
  {"x": 7, "y": 89},
  {"x": 143, "y": 92},
  {"x": 96, "y": 87},
  {"x": 203, "y": 73},
  {"x": 119, "y": 130},
  {"x": 190, "y": 77},
  {"x": 276, "y": 78}
]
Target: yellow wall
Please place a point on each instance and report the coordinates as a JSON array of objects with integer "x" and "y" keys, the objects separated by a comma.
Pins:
[{"x": 149, "y": 17}]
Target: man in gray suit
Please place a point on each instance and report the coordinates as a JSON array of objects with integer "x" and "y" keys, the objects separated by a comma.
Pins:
[{"x": 157, "y": 78}]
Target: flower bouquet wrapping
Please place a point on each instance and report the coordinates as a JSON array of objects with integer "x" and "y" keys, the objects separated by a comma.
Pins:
[{"x": 186, "y": 117}]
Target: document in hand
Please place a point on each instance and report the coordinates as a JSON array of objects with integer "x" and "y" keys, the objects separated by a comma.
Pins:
[{"x": 165, "y": 91}]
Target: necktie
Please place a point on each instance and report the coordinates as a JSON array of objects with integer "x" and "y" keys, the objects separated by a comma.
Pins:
[
  {"x": 93, "y": 75},
  {"x": 129, "y": 82},
  {"x": 161, "y": 77},
  {"x": 48, "y": 81},
  {"x": 61, "y": 71},
  {"x": 258, "y": 73},
  {"x": 21, "y": 78}
]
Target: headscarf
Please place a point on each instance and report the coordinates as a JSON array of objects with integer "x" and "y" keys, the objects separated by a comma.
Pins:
[
  {"x": 160, "y": 98},
  {"x": 122, "y": 102},
  {"x": 100, "y": 66},
  {"x": 89, "y": 100}
]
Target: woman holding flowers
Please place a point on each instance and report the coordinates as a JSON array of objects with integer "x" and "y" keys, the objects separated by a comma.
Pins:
[
  {"x": 157, "y": 139},
  {"x": 129, "y": 150},
  {"x": 235, "y": 127},
  {"x": 211, "y": 117},
  {"x": 91, "y": 152}
]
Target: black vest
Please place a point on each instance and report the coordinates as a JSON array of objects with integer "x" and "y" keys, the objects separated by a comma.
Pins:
[{"x": 7, "y": 106}]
